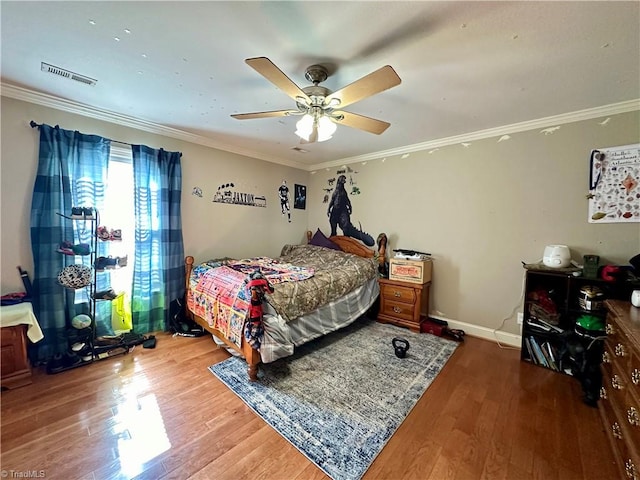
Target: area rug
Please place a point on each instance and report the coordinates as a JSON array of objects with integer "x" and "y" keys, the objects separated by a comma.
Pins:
[{"x": 340, "y": 398}]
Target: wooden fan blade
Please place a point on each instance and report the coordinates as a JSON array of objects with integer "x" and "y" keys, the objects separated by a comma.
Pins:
[
  {"x": 361, "y": 122},
  {"x": 274, "y": 113},
  {"x": 376, "y": 82},
  {"x": 268, "y": 70}
]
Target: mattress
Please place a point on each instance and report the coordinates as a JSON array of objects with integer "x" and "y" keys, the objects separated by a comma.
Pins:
[{"x": 330, "y": 287}]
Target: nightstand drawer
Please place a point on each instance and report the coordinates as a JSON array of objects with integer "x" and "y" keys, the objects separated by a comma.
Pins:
[
  {"x": 397, "y": 293},
  {"x": 398, "y": 310}
]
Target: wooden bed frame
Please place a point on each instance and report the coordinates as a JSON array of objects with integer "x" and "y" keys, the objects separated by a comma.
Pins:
[{"x": 252, "y": 356}]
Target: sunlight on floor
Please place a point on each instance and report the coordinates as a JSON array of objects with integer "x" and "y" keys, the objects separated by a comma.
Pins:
[{"x": 140, "y": 431}]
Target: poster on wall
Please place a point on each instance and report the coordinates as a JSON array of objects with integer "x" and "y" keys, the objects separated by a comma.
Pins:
[
  {"x": 614, "y": 184},
  {"x": 300, "y": 197}
]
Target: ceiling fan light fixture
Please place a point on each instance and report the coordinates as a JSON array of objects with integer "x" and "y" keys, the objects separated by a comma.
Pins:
[
  {"x": 304, "y": 127},
  {"x": 333, "y": 103},
  {"x": 326, "y": 128}
]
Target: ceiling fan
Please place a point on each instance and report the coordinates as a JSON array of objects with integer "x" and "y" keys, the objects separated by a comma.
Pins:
[{"x": 318, "y": 105}]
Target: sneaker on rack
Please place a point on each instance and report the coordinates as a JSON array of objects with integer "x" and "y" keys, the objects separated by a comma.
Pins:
[
  {"x": 103, "y": 233},
  {"x": 108, "y": 294},
  {"x": 69, "y": 359},
  {"x": 100, "y": 264},
  {"x": 115, "y": 235},
  {"x": 111, "y": 263},
  {"x": 108, "y": 341},
  {"x": 88, "y": 213},
  {"x": 122, "y": 261},
  {"x": 77, "y": 212},
  {"x": 86, "y": 354},
  {"x": 66, "y": 248},
  {"x": 81, "y": 249}
]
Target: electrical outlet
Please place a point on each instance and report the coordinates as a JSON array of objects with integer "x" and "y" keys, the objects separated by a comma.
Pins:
[{"x": 520, "y": 318}]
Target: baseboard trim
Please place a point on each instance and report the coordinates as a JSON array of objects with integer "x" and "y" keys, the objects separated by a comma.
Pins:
[{"x": 497, "y": 336}]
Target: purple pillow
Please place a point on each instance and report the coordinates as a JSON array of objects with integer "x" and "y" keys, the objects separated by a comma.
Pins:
[{"x": 319, "y": 239}]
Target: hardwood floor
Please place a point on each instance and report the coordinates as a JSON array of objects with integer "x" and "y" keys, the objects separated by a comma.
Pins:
[{"x": 160, "y": 414}]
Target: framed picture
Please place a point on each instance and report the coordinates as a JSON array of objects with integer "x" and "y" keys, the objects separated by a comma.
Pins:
[{"x": 300, "y": 196}]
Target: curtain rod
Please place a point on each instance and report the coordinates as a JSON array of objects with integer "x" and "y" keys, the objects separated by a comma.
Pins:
[{"x": 34, "y": 125}]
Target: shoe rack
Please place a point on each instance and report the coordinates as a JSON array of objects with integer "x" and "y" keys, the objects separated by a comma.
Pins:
[{"x": 94, "y": 348}]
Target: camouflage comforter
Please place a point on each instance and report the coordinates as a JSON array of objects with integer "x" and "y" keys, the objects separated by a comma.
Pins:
[{"x": 336, "y": 274}]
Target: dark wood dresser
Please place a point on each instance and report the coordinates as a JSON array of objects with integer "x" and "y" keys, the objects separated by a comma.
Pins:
[{"x": 619, "y": 403}]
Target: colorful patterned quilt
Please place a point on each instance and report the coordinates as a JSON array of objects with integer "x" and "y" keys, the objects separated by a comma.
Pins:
[{"x": 304, "y": 277}]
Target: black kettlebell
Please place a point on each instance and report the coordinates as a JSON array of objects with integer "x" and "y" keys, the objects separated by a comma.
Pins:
[{"x": 400, "y": 345}]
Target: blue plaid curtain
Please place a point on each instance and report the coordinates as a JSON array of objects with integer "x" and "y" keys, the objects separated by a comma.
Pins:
[
  {"x": 72, "y": 172},
  {"x": 158, "y": 270}
]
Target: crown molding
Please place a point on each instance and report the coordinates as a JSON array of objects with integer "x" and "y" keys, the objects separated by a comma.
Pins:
[
  {"x": 587, "y": 114},
  {"x": 39, "y": 98}
]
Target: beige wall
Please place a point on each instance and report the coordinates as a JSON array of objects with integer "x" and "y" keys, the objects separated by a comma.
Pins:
[
  {"x": 480, "y": 210},
  {"x": 210, "y": 229}
]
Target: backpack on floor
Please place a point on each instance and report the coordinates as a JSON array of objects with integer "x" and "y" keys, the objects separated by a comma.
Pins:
[{"x": 179, "y": 323}]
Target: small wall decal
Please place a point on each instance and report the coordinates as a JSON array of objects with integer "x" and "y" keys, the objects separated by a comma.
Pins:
[
  {"x": 550, "y": 130},
  {"x": 227, "y": 193},
  {"x": 283, "y": 193},
  {"x": 197, "y": 191}
]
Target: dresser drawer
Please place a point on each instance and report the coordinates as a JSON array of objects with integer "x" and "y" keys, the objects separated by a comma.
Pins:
[
  {"x": 634, "y": 373},
  {"x": 624, "y": 451},
  {"x": 631, "y": 412},
  {"x": 397, "y": 293}
]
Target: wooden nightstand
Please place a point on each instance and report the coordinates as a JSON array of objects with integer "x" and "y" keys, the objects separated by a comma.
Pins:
[
  {"x": 16, "y": 370},
  {"x": 403, "y": 304}
]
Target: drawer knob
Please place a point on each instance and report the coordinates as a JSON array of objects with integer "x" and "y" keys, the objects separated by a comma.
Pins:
[
  {"x": 630, "y": 470},
  {"x": 632, "y": 417},
  {"x": 635, "y": 376},
  {"x": 615, "y": 431},
  {"x": 603, "y": 393},
  {"x": 609, "y": 330},
  {"x": 605, "y": 357},
  {"x": 397, "y": 310},
  {"x": 620, "y": 350},
  {"x": 397, "y": 293},
  {"x": 616, "y": 383}
]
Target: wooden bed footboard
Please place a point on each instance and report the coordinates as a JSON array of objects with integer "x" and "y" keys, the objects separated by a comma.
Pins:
[{"x": 251, "y": 355}]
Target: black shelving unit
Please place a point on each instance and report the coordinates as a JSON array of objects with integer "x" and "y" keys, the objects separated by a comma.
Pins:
[
  {"x": 88, "y": 335},
  {"x": 552, "y": 309}
]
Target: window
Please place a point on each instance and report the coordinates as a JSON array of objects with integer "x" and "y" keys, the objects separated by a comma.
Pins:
[{"x": 118, "y": 214}]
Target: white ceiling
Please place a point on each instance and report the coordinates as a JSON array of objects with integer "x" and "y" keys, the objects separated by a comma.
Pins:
[{"x": 465, "y": 66}]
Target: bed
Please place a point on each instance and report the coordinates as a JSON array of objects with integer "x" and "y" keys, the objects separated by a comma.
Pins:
[{"x": 316, "y": 290}]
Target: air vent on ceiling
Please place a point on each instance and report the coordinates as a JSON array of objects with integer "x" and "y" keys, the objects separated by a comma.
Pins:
[{"x": 61, "y": 72}]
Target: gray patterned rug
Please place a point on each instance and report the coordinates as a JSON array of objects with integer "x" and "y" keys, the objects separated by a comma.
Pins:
[{"x": 340, "y": 398}]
